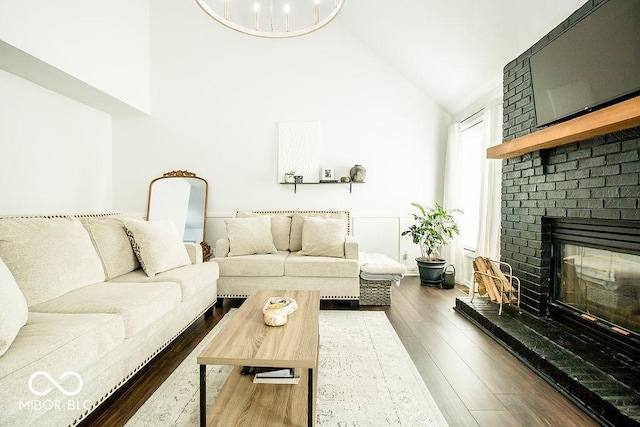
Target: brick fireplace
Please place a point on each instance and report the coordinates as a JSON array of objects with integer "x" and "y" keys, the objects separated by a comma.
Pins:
[{"x": 596, "y": 178}]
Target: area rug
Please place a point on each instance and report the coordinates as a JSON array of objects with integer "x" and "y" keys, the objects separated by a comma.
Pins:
[{"x": 365, "y": 378}]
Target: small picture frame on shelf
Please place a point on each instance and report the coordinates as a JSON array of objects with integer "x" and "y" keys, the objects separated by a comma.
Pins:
[{"x": 326, "y": 175}]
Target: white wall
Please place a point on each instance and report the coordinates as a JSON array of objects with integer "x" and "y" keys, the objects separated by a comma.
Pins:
[
  {"x": 218, "y": 96},
  {"x": 216, "y": 100},
  {"x": 477, "y": 104},
  {"x": 55, "y": 153},
  {"x": 102, "y": 43}
]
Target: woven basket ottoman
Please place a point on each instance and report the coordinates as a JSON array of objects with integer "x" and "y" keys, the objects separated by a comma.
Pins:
[
  {"x": 375, "y": 292},
  {"x": 377, "y": 274}
]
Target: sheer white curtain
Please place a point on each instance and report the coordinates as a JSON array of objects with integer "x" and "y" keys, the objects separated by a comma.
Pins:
[
  {"x": 453, "y": 194},
  {"x": 458, "y": 182},
  {"x": 490, "y": 184}
]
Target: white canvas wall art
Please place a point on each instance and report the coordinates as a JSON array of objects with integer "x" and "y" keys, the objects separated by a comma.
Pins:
[{"x": 299, "y": 150}]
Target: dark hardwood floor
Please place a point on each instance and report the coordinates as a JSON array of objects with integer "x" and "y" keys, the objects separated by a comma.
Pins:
[{"x": 473, "y": 379}]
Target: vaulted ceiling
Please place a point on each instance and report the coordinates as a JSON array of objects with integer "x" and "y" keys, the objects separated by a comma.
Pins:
[{"x": 453, "y": 50}]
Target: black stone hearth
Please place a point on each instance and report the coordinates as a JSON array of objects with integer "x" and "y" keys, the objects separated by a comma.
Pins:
[{"x": 601, "y": 379}]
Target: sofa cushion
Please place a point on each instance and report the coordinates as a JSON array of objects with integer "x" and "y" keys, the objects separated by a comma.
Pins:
[
  {"x": 139, "y": 304},
  {"x": 109, "y": 237},
  {"x": 48, "y": 256},
  {"x": 57, "y": 343},
  {"x": 248, "y": 236},
  {"x": 192, "y": 278},
  {"x": 253, "y": 265},
  {"x": 297, "y": 265},
  {"x": 280, "y": 228},
  {"x": 157, "y": 245},
  {"x": 323, "y": 237},
  {"x": 295, "y": 240},
  {"x": 13, "y": 308}
]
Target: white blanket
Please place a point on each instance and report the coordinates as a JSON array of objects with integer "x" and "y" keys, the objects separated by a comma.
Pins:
[{"x": 380, "y": 267}]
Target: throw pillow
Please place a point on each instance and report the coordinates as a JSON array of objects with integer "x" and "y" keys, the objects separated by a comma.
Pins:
[
  {"x": 323, "y": 237},
  {"x": 295, "y": 241},
  {"x": 248, "y": 236},
  {"x": 13, "y": 308},
  {"x": 135, "y": 248},
  {"x": 109, "y": 237},
  {"x": 280, "y": 228},
  {"x": 157, "y": 245}
]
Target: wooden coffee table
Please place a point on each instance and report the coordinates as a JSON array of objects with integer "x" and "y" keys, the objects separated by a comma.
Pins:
[{"x": 246, "y": 341}]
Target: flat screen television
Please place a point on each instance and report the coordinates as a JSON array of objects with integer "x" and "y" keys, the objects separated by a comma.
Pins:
[{"x": 593, "y": 64}]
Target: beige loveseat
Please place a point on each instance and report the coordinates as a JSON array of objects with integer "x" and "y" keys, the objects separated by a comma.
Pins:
[
  {"x": 289, "y": 250},
  {"x": 78, "y": 317}
]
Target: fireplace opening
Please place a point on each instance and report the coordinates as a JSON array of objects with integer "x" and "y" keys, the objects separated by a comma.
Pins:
[{"x": 596, "y": 277}]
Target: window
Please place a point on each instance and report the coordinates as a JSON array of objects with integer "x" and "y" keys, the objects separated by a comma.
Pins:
[{"x": 471, "y": 139}]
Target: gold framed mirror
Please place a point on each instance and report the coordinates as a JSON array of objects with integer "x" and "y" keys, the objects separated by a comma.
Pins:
[{"x": 182, "y": 197}]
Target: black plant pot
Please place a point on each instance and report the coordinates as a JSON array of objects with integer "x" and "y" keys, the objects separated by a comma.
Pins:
[{"x": 431, "y": 272}]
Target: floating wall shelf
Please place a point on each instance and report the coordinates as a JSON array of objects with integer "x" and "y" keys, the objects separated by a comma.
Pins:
[
  {"x": 617, "y": 117},
  {"x": 295, "y": 184}
]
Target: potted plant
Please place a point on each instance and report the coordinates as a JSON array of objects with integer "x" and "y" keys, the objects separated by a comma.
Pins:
[{"x": 434, "y": 227}]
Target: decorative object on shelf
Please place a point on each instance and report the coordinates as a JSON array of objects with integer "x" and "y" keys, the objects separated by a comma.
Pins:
[
  {"x": 277, "y": 310},
  {"x": 433, "y": 228},
  {"x": 358, "y": 173},
  {"x": 290, "y": 177},
  {"x": 297, "y": 179},
  {"x": 326, "y": 175},
  {"x": 245, "y": 16},
  {"x": 345, "y": 179}
]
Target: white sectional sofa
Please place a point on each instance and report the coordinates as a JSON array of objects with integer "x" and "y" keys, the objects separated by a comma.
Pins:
[
  {"x": 289, "y": 250},
  {"x": 93, "y": 316}
]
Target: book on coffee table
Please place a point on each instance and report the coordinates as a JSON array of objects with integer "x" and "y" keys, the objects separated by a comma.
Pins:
[
  {"x": 276, "y": 380},
  {"x": 264, "y": 375},
  {"x": 261, "y": 372},
  {"x": 264, "y": 371}
]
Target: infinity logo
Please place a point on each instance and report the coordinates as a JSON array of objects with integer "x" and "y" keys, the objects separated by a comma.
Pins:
[{"x": 55, "y": 383}]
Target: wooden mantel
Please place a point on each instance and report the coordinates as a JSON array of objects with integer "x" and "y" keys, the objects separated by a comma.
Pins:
[{"x": 623, "y": 115}]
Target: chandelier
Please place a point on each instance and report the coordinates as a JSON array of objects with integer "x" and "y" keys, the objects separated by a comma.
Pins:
[{"x": 273, "y": 18}]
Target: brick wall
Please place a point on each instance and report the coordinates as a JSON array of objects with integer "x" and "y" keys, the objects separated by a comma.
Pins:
[{"x": 595, "y": 178}]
